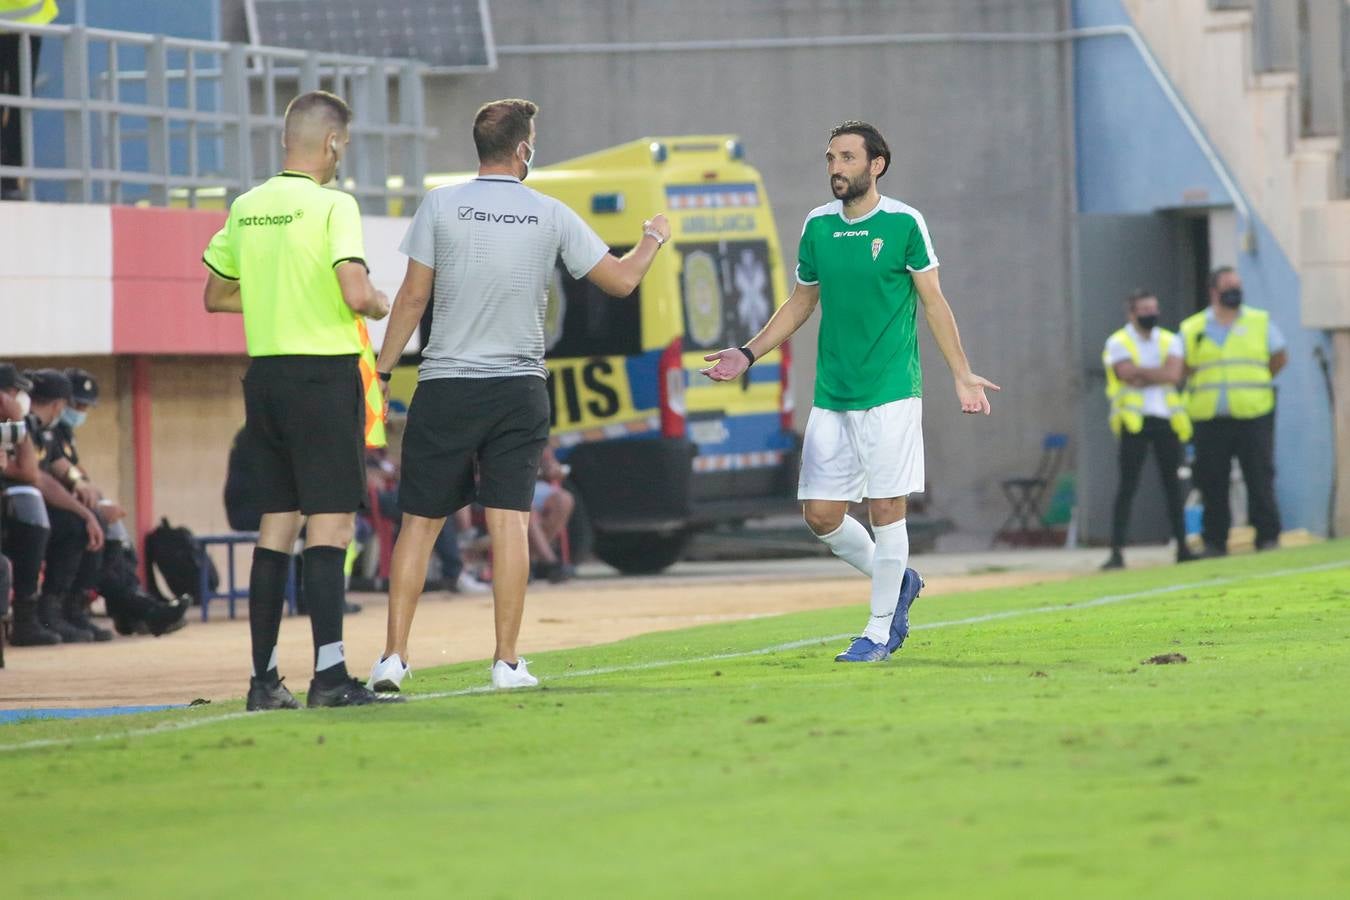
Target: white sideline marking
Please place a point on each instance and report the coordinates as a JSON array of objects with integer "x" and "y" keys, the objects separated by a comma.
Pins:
[{"x": 716, "y": 657}]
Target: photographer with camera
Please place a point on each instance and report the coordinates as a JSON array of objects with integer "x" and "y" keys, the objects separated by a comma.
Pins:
[{"x": 23, "y": 517}]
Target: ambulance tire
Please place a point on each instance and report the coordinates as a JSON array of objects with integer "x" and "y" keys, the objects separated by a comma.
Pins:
[{"x": 640, "y": 553}]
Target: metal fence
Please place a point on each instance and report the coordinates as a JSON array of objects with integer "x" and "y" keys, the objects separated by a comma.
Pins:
[{"x": 127, "y": 118}]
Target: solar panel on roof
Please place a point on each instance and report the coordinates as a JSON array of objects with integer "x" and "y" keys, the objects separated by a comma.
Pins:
[{"x": 444, "y": 34}]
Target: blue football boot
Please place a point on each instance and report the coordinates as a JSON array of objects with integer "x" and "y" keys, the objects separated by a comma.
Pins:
[
  {"x": 910, "y": 586},
  {"x": 864, "y": 649}
]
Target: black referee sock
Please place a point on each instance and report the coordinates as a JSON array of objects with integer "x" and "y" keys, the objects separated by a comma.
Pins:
[
  {"x": 326, "y": 596},
  {"x": 266, "y": 597}
]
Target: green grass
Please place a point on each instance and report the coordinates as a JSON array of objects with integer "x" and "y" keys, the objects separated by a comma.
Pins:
[{"x": 1029, "y": 756}]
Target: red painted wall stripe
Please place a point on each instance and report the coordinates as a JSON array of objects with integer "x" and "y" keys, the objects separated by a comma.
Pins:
[{"x": 157, "y": 284}]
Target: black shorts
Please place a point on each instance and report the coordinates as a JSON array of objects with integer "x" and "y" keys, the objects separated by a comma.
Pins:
[
  {"x": 501, "y": 424},
  {"x": 304, "y": 433}
]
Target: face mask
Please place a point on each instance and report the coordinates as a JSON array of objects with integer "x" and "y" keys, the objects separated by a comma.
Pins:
[
  {"x": 25, "y": 402},
  {"x": 1147, "y": 323},
  {"x": 529, "y": 161},
  {"x": 73, "y": 417},
  {"x": 1231, "y": 298}
]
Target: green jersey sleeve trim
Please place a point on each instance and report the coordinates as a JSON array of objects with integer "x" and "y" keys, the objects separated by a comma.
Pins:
[{"x": 806, "y": 256}]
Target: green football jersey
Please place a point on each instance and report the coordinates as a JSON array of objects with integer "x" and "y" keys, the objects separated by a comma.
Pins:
[{"x": 868, "y": 350}]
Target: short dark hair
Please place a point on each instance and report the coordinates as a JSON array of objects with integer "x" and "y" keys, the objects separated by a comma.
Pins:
[
  {"x": 873, "y": 142},
  {"x": 500, "y": 126},
  {"x": 331, "y": 105},
  {"x": 1136, "y": 295},
  {"x": 1217, "y": 274}
]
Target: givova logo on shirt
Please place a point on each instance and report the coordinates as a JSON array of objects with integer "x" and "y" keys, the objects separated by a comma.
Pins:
[
  {"x": 863, "y": 233},
  {"x": 268, "y": 219},
  {"x": 468, "y": 213}
]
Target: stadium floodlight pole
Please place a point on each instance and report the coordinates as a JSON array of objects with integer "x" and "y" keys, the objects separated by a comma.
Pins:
[{"x": 944, "y": 37}]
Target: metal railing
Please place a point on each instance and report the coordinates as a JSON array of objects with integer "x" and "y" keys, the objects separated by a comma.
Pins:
[{"x": 149, "y": 118}]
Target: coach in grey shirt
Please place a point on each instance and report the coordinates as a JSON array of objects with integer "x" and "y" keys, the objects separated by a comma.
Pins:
[{"x": 484, "y": 252}]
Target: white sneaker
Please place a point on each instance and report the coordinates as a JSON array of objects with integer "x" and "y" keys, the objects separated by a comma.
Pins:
[
  {"x": 504, "y": 677},
  {"x": 387, "y": 674},
  {"x": 467, "y": 584}
]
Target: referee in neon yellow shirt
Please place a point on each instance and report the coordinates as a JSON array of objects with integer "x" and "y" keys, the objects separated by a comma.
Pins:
[{"x": 290, "y": 258}]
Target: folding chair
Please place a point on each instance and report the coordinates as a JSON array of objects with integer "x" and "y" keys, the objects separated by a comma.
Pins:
[{"x": 1026, "y": 495}]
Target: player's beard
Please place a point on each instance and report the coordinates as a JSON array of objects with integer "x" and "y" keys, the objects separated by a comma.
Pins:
[{"x": 851, "y": 188}]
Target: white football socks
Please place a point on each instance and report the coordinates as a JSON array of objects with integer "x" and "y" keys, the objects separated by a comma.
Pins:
[
  {"x": 330, "y": 655},
  {"x": 271, "y": 665},
  {"x": 888, "y": 571},
  {"x": 851, "y": 543}
]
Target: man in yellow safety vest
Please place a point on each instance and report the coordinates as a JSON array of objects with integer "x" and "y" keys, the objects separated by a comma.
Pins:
[
  {"x": 1232, "y": 354},
  {"x": 1143, "y": 367},
  {"x": 27, "y": 12}
]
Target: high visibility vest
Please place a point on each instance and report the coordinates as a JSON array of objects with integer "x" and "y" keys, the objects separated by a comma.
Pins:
[
  {"x": 370, "y": 387},
  {"x": 30, "y": 12},
  {"x": 1127, "y": 401},
  {"x": 1241, "y": 367}
]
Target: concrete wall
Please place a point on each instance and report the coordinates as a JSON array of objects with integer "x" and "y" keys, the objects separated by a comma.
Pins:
[{"x": 981, "y": 141}]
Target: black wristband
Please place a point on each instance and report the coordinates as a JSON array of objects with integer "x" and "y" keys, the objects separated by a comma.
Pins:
[
  {"x": 749, "y": 354},
  {"x": 385, "y": 376}
]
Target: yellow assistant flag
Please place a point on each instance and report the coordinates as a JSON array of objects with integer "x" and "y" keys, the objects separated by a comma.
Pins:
[{"x": 370, "y": 386}]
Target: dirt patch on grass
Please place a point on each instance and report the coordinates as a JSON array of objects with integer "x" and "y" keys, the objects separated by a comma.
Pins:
[{"x": 1165, "y": 659}]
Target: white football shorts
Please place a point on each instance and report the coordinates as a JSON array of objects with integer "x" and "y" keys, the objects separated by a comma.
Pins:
[{"x": 874, "y": 453}]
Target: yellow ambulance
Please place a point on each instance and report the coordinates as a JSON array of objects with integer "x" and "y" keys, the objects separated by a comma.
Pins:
[{"x": 657, "y": 450}]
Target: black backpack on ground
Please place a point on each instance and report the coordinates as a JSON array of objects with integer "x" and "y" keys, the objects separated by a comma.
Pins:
[{"x": 173, "y": 555}]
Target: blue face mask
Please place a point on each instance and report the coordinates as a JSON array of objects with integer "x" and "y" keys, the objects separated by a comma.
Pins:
[{"x": 73, "y": 417}]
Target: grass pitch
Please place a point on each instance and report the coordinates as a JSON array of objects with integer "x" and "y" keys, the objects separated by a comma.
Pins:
[{"x": 1018, "y": 746}]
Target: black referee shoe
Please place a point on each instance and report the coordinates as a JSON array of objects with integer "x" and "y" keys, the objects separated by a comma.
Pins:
[
  {"x": 346, "y": 693},
  {"x": 264, "y": 694}
]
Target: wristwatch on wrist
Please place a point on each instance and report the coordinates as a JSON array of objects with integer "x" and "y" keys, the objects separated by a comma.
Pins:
[
  {"x": 660, "y": 241},
  {"x": 749, "y": 355},
  {"x": 385, "y": 376}
]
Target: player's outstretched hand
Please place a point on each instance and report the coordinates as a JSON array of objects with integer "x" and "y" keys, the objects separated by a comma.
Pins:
[
  {"x": 727, "y": 365},
  {"x": 970, "y": 391}
]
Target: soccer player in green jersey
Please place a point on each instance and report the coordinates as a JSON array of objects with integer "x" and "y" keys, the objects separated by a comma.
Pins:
[{"x": 868, "y": 262}]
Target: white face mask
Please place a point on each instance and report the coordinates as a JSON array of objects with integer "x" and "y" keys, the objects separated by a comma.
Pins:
[
  {"x": 25, "y": 402},
  {"x": 529, "y": 160}
]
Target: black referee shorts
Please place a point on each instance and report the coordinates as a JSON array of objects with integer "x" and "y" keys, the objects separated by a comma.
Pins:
[
  {"x": 304, "y": 428},
  {"x": 500, "y": 424}
]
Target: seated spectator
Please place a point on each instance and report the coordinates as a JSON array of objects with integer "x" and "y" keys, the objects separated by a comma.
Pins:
[
  {"x": 111, "y": 572},
  {"x": 455, "y": 577},
  {"x": 23, "y": 517},
  {"x": 88, "y": 549},
  {"x": 552, "y": 510}
]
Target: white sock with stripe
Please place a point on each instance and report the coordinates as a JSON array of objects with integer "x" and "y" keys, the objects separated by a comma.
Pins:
[
  {"x": 851, "y": 543},
  {"x": 329, "y": 655},
  {"x": 271, "y": 665},
  {"x": 888, "y": 571}
]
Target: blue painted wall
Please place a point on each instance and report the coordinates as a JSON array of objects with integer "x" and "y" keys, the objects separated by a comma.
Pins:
[
  {"x": 177, "y": 18},
  {"x": 1135, "y": 156}
]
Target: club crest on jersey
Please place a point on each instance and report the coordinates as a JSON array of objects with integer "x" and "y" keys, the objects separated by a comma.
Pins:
[{"x": 877, "y": 244}]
